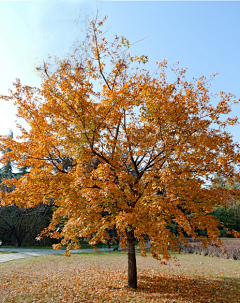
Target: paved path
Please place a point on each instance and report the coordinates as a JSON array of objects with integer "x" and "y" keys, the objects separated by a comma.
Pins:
[{"x": 20, "y": 253}]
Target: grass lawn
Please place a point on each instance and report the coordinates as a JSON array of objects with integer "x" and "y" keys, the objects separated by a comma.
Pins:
[
  {"x": 7, "y": 252},
  {"x": 83, "y": 246},
  {"x": 30, "y": 247},
  {"x": 102, "y": 277}
]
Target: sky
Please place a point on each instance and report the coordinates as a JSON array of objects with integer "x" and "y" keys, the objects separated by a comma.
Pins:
[{"x": 203, "y": 36}]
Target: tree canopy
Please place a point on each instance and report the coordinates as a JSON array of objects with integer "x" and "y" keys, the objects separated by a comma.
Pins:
[{"x": 155, "y": 144}]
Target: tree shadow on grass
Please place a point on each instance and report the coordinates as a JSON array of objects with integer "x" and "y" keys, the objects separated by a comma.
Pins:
[{"x": 186, "y": 288}]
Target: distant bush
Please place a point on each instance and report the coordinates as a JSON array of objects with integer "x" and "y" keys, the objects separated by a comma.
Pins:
[{"x": 232, "y": 249}]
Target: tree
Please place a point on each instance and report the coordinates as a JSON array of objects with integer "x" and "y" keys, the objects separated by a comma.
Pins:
[
  {"x": 94, "y": 108},
  {"x": 229, "y": 213},
  {"x": 16, "y": 223},
  {"x": 6, "y": 171}
]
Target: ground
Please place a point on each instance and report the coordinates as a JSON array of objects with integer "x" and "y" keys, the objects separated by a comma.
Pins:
[{"x": 102, "y": 277}]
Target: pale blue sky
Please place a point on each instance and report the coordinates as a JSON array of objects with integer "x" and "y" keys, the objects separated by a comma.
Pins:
[{"x": 203, "y": 37}]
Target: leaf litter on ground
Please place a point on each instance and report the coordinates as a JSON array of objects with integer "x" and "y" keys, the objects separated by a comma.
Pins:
[{"x": 103, "y": 278}]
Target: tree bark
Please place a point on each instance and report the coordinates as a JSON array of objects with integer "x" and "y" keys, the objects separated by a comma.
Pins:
[
  {"x": 18, "y": 241},
  {"x": 132, "y": 265},
  {"x": 18, "y": 238}
]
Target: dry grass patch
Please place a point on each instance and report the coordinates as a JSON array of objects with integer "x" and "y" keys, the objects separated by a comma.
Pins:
[{"x": 102, "y": 277}]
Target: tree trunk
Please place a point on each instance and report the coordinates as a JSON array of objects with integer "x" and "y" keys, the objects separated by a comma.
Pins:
[
  {"x": 18, "y": 240},
  {"x": 132, "y": 265}
]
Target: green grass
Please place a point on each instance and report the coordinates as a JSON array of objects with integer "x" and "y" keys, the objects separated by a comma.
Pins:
[
  {"x": 83, "y": 246},
  {"x": 29, "y": 247},
  {"x": 8, "y": 252}
]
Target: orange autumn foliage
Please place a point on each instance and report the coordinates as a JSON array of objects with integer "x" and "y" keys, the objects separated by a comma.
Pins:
[{"x": 155, "y": 143}]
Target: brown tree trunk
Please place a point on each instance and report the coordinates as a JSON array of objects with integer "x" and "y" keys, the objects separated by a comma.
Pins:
[
  {"x": 132, "y": 265},
  {"x": 18, "y": 240}
]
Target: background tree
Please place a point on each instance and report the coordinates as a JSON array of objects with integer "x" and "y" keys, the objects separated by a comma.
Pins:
[
  {"x": 96, "y": 107},
  {"x": 7, "y": 170},
  {"x": 20, "y": 225},
  {"x": 228, "y": 214}
]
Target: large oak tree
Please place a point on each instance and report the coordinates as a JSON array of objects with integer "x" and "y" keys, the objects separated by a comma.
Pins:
[{"x": 155, "y": 144}]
